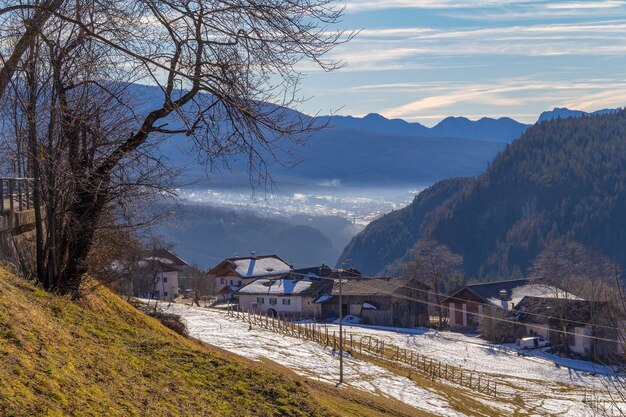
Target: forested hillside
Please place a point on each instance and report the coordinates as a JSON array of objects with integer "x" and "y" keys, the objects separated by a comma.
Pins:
[
  {"x": 387, "y": 239},
  {"x": 562, "y": 179}
]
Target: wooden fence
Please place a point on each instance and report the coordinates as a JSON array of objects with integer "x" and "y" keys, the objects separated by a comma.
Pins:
[
  {"x": 366, "y": 345},
  {"x": 15, "y": 194},
  {"x": 603, "y": 403}
]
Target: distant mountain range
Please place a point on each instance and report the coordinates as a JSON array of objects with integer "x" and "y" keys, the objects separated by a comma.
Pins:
[
  {"x": 563, "y": 179},
  {"x": 503, "y": 130},
  {"x": 369, "y": 151}
]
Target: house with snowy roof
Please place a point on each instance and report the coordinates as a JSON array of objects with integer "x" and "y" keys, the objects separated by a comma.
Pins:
[
  {"x": 470, "y": 304},
  {"x": 289, "y": 296},
  {"x": 233, "y": 273}
]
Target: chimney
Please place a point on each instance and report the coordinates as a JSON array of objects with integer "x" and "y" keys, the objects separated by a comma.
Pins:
[
  {"x": 253, "y": 254},
  {"x": 504, "y": 299}
]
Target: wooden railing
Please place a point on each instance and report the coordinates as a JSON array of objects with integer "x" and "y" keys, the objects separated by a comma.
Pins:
[{"x": 16, "y": 194}]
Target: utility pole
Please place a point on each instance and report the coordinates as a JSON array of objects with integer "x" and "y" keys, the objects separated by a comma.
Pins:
[{"x": 340, "y": 330}]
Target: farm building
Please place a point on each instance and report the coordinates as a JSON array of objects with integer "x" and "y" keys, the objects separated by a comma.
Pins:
[
  {"x": 380, "y": 301},
  {"x": 578, "y": 326},
  {"x": 467, "y": 306}
]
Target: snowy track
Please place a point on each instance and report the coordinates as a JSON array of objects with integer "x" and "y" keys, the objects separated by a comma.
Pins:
[{"x": 528, "y": 385}]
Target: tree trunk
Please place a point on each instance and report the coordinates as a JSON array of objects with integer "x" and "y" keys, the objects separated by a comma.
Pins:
[{"x": 31, "y": 116}]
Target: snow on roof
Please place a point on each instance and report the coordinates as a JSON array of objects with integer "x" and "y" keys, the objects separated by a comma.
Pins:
[
  {"x": 277, "y": 287},
  {"x": 534, "y": 290},
  {"x": 368, "y": 306},
  {"x": 323, "y": 298},
  {"x": 260, "y": 267}
]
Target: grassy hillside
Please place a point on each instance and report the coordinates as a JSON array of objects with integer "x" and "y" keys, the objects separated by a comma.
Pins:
[{"x": 103, "y": 357}]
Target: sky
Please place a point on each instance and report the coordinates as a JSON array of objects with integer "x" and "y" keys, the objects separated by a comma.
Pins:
[{"x": 424, "y": 60}]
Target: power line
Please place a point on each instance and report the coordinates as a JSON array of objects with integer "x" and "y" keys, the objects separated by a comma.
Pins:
[
  {"x": 428, "y": 292},
  {"x": 402, "y": 296},
  {"x": 460, "y": 299}
]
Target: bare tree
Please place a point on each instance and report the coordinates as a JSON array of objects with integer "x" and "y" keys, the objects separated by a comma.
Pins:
[
  {"x": 569, "y": 270},
  {"x": 227, "y": 73},
  {"x": 199, "y": 284},
  {"x": 436, "y": 265},
  {"x": 32, "y": 26},
  {"x": 116, "y": 258},
  {"x": 576, "y": 269}
]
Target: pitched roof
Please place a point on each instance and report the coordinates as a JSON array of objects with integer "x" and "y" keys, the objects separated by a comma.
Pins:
[
  {"x": 254, "y": 266},
  {"x": 516, "y": 290},
  {"x": 167, "y": 255},
  {"x": 534, "y": 290},
  {"x": 319, "y": 271},
  {"x": 285, "y": 286},
  {"x": 542, "y": 310},
  {"x": 377, "y": 286},
  {"x": 492, "y": 289},
  {"x": 325, "y": 271},
  {"x": 157, "y": 265}
]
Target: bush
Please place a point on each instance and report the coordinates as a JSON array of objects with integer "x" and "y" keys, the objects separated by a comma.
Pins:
[{"x": 171, "y": 321}]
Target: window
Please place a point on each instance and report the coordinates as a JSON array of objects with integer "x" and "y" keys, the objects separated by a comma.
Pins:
[
  {"x": 231, "y": 282},
  {"x": 222, "y": 281},
  {"x": 240, "y": 283},
  {"x": 286, "y": 301},
  {"x": 260, "y": 300},
  {"x": 164, "y": 281},
  {"x": 273, "y": 301},
  {"x": 165, "y": 294}
]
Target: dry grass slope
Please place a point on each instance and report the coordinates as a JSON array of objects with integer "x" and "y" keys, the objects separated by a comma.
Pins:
[{"x": 103, "y": 357}]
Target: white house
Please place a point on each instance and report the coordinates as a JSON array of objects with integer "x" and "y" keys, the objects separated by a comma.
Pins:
[
  {"x": 164, "y": 267},
  {"x": 291, "y": 296},
  {"x": 233, "y": 273}
]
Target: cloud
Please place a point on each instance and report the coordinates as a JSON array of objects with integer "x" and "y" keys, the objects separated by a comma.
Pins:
[
  {"x": 369, "y": 5},
  {"x": 584, "y": 96},
  {"x": 404, "y": 48},
  {"x": 585, "y": 5}
]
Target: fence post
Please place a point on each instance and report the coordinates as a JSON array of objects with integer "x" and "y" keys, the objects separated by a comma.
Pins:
[
  {"x": 11, "y": 194},
  {"x": 20, "y": 202}
]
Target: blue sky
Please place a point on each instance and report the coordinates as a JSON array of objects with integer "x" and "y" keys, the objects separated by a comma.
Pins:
[{"x": 423, "y": 60}]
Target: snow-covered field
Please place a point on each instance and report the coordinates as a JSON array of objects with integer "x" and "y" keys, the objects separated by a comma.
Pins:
[
  {"x": 545, "y": 383},
  {"x": 526, "y": 384}
]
